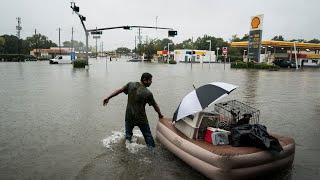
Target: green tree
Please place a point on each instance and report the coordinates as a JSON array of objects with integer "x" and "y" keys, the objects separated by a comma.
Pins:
[
  {"x": 186, "y": 44},
  {"x": 2, "y": 42},
  {"x": 314, "y": 41},
  {"x": 150, "y": 48},
  {"x": 37, "y": 41},
  {"x": 66, "y": 44},
  {"x": 298, "y": 40},
  {"x": 245, "y": 37},
  {"x": 278, "y": 38},
  {"x": 123, "y": 50},
  {"x": 235, "y": 38},
  {"x": 12, "y": 44},
  {"x": 160, "y": 44},
  {"x": 77, "y": 45}
]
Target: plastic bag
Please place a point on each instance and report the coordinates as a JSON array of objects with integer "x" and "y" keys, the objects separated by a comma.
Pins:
[{"x": 255, "y": 135}]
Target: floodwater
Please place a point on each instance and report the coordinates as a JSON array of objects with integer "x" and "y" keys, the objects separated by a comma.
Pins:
[{"x": 53, "y": 124}]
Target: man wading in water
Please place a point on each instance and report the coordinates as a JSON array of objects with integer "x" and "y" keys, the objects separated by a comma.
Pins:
[{"x": 138, "y": 97}]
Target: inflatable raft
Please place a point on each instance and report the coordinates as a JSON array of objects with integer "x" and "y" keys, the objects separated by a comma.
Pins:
[{"x": 224, "y": 161}]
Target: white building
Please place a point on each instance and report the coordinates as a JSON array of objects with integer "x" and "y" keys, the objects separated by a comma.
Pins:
[{"x": 198, "y": 56}]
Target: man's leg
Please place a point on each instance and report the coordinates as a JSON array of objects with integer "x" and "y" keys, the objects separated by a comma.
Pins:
[
  {"x": 129, "y": 128},
  {"x": 145, "y": 129}
]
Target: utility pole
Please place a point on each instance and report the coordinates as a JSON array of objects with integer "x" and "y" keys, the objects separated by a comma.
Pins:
[
  {"x": 102, "y": 48},
  {"x": 135, "y": 45},
  {"x": 191, "y": 51},
  {"x": 139, "y": 41},
  {"x": 18, "y": 34},
  {"x": 19, "y": 28},
  {"x": 156, "y": 22},
  {"x": 72, "y": 40},
  {"x": 35, "y": 36},
  {"x": 96, "y": 46},
  {"x": 59, "y": 42}
]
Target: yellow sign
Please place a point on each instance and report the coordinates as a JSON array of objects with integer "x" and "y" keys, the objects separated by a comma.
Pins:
[
  {"x": 313, "y": 56},
  {"x": 256, "y": 22},
  {"x": 200, "y": 52}
]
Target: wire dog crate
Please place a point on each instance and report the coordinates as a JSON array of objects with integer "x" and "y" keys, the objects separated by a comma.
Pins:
[{"x": 233, "y": 113}]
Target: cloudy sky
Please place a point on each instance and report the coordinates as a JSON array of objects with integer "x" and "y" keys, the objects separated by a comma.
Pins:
[{"x": 191, "y": 18}]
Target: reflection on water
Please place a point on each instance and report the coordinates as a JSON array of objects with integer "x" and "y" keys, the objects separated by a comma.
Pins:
[
  {"x": 250, "y": 79},
  {"x": 53, "y": 124}
]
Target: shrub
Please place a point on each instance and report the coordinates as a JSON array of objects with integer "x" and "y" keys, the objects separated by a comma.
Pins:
[
  {"x": 264, "y": 65},
  {"x": 172, "y": 62},
  {"x": 12, "y": 57},
  {"x": 80, "y": 63},
  {"x": 252, "y": 65},
  {"x": 43, "y": 58},
  {"x": 239, "y": 65}
]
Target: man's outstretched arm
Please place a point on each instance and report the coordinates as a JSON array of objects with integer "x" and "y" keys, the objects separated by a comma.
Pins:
[
  {"x": 157, "y": 109},
  {"x": 115, "y": 93}
]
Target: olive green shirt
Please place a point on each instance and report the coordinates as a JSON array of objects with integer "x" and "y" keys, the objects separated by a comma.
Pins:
[{"x": 138, "y": 97}]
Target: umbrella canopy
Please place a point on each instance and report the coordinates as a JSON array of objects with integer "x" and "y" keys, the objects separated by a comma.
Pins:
[{"x": 202, "y": 97}]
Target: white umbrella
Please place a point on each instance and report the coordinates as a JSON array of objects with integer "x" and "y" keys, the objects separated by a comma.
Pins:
[{"x": 201, "y": 98}]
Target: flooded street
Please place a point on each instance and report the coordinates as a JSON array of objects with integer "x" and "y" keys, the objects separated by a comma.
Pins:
[{"x": 53, "y": 124}]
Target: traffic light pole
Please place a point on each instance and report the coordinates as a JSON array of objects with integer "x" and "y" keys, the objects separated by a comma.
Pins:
[
  {"x": 87, "y": 39},
  {"x": 82, "y": 18}
]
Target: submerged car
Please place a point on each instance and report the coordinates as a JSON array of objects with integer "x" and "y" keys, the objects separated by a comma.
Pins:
[
  {"x": 61, "y": 59},
  {"x": 283, "y": 63}
]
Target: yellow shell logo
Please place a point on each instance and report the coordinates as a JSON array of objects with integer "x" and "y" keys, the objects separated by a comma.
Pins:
[{"x": 255, "y": 22}]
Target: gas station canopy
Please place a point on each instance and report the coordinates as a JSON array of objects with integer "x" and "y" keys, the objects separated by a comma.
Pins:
[{"x": 279, "y": 44}]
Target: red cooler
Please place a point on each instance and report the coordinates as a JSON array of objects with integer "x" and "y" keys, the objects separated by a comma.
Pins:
[{"x": 207, "y": 136}]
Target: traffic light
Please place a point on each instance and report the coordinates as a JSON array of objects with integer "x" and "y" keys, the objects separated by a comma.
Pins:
[
  {"x": 127, "y": 27},
  {"x": 83, "y": 18},
  {"x": 76, "y": 8},
  {"x": 172, "y": 33}
]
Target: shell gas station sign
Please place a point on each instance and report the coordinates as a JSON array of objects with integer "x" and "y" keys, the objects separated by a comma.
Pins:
[{"x": 255, "y": 37}]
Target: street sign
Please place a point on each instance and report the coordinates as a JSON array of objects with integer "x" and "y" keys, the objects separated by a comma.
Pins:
[
  {"x": 96, "y": 32},
  {"x": 255, "y": 38},
  {"x": 73, "y": 56},
  {"x": 224, "y": 51},
  {"x": 96, "y": 37}
]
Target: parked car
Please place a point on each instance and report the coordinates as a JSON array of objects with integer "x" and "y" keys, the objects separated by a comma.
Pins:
[
  {"x": 30, "y": 58},
  {"x": 61, "y": 59},
  {"x": 283, "y": 63}
]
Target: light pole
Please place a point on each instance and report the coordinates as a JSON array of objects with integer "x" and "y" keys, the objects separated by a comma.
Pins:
[
  {"x": 217, "y": 54},
  {"x": 295, "y": 54},
  {"x": 265, "y": 53},
  {"x": 209, "y": 41},
  {"x": 164, "y": 48},
  {"x": 169, "y": 50}
]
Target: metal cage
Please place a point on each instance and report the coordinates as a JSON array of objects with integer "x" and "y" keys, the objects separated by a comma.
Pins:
[{"x": 233, "y": 113}]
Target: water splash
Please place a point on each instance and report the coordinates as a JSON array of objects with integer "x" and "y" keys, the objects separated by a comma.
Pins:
[
  {"x": 114, "y": 138},
  {"x": 136, "y": 144}
]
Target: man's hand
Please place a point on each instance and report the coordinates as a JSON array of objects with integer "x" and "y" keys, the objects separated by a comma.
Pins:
[
  {"x": 105, "y": 101},
  {"x": 160, "y": 116}
]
